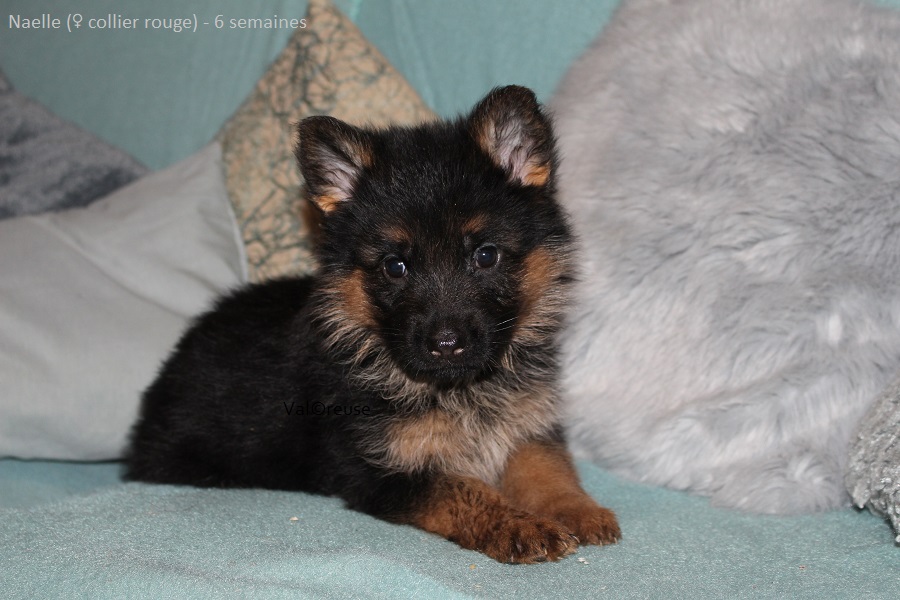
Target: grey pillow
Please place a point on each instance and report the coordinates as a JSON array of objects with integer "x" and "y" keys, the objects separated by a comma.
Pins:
[
  {"x": 93, "y": 299},
  {"x": 49, "y": 164}
]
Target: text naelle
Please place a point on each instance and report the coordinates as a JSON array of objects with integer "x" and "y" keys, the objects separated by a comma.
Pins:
[{"x": 45, "y": 21}]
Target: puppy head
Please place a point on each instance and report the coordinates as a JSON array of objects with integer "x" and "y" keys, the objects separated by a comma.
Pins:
[{"x": 441, "y": 246}]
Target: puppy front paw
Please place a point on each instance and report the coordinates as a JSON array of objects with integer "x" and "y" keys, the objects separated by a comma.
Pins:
[
  {"x": 525, "y": 538},
  {"x": 590, "y": 522}
]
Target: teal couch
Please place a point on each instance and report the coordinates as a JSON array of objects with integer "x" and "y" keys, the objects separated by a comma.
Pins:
[{"x": 74, "y": 529}]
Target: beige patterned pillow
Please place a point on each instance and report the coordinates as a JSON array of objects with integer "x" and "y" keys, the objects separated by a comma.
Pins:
[{"x": 326, "y": 68}]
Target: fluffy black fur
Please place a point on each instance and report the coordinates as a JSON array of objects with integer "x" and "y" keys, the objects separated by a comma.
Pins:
[{"x": 423, "y": 349}]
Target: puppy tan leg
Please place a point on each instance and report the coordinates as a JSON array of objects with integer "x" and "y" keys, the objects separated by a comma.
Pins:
[
  {"x": 476, "y": 516},
  {"x": 540, "y": 478}
]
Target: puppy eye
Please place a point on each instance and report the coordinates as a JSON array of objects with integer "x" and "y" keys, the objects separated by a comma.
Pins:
[
  {"x": 486, "y": 257},
  {"x": 393, "y": 267}
]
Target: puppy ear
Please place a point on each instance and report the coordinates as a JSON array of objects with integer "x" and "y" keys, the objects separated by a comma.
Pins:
[
  {"x": 332, "y": 156},
  {"x": 511, "y": 128}
]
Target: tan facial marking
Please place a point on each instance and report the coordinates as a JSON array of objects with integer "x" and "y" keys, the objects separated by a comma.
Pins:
[
  {"x": 474, "y": 224},
  {"x": 540, "y": 271},
  {"x": 398, "y": 235},
  {"x": 355, "y": 300},
  {"x": 542, "y": 303}
]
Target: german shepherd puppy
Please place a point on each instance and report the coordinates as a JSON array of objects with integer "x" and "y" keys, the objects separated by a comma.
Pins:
[{"x": 415, "y": 374}]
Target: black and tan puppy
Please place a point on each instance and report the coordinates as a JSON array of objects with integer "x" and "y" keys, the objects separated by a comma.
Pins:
[{"x": 414, "y": 375}]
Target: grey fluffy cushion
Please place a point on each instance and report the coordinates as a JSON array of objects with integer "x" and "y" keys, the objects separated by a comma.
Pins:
[
  {"x": 49, "y": 164},
  {"x": 732, "y": 172},
  {"x": 873, "y": 476}
]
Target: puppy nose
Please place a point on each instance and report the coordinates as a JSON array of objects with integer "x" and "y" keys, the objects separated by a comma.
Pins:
[{"x": 447, "y": 343}]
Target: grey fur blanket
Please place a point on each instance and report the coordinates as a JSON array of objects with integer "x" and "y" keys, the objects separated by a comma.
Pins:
[{"x": 733, "y": 169}]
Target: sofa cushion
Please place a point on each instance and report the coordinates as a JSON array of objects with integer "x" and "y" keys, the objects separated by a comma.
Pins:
[
  {"x": 327, "y": 68},
  {"x": 93, "y": 299}
]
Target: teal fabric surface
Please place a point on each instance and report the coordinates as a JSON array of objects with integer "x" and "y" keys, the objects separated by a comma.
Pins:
[
  {"x": 162, "y": 95},
  {"x": 136, "y": 540},
  {"x": 453, "y": 52},
  {"x": 27, "y": 484},
  {"x": 157, "y": 94}
]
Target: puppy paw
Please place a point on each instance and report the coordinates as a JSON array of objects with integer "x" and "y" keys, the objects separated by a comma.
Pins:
[
  {"x": 591, "y": 523},
  {"x": 525, "y": 538}
]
